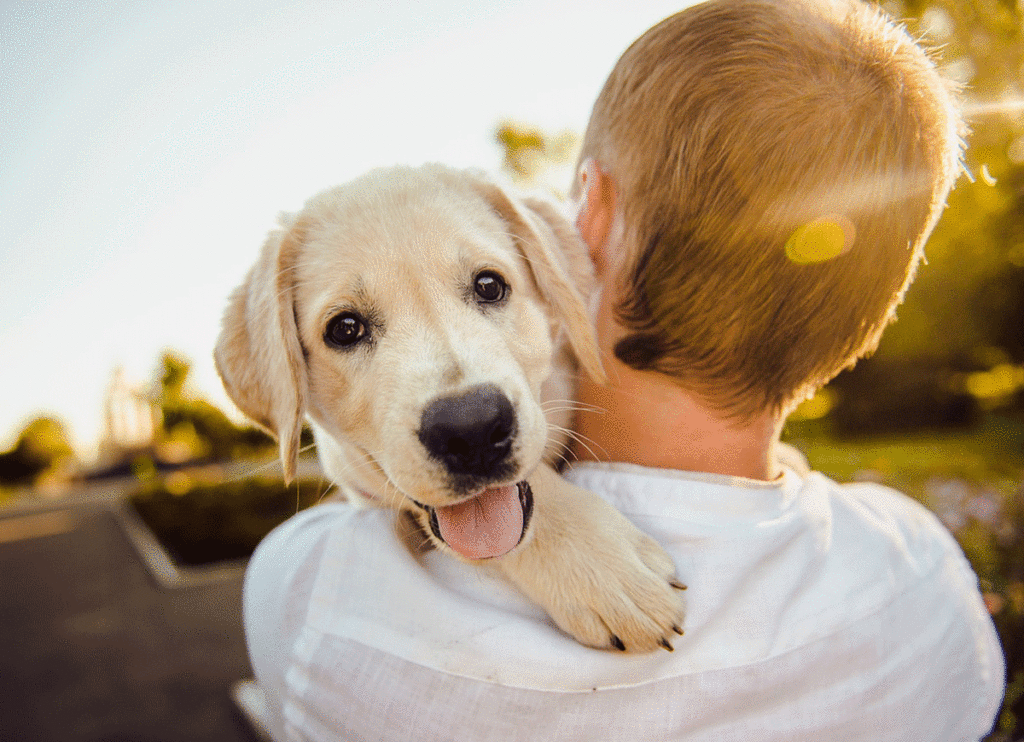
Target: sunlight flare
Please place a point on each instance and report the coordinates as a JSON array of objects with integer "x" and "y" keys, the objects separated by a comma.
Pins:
[
  {"x": 821, "y": 240},
  {"x": 990, "y": 108}
]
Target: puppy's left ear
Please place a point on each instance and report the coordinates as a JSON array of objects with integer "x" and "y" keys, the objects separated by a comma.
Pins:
[
  {"x": 558, "y": 260},
  {"x": 258, "y": 354}
]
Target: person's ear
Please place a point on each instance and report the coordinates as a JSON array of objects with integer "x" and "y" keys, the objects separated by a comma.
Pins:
[{"x": 595, "y": 214}]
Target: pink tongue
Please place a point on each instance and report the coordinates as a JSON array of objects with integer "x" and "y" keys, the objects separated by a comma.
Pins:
[{"x": 489, "y": 525}]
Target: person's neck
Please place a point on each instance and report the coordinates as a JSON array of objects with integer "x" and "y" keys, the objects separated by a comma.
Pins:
[{"x": 644, "y": 418}]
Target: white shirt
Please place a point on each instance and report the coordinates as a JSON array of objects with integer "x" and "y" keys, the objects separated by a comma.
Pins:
[{"x": 815, "y": 611}]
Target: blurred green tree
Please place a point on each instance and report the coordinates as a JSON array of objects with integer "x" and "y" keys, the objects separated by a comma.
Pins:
[
  {"x": 41, "y": 447},
  {"x": 533, "y": 157},
  {"x": 192, "y": 428}
]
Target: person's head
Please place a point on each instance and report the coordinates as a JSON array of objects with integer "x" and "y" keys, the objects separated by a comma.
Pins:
[{"x": 772, "y": 171}]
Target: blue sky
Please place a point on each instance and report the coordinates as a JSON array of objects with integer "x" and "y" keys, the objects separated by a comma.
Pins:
[{"x": 146, "y": 148}]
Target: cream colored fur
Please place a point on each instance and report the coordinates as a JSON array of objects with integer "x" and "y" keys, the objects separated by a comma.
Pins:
[{"x": 402, "y": 245}]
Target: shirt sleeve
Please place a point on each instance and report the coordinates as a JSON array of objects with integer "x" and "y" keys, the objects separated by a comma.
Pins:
[{"x": 275, "y": 597}]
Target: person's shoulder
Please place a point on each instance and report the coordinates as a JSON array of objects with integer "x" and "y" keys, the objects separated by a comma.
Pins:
[
  {"x": 886, "y": 515},
  {"x": 878, "y": 548},
  {"x": 295, "y": 547},
  {"x": 302, "y": 529}
]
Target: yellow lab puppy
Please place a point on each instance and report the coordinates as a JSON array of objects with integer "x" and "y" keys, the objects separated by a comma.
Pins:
[{"x": 428, "y": 325}]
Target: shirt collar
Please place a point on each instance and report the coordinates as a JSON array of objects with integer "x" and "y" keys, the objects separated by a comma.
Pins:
[{"x": 640, "y": 491}]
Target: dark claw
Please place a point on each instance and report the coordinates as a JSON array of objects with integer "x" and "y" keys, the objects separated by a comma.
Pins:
[
  {"x": 678, "y": 630},
  {"x": 677, "y": 584},
  {"x": 664, "y": 642},
  {"x": 617, "y": 643}
]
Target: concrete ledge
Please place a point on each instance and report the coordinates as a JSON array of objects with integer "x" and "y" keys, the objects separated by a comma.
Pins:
[{"x": 159, "y": 562}]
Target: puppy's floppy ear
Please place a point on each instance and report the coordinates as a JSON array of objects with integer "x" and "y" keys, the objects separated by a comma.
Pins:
[
  {"x": 258, "y": 354},
  {"x": 559, "y": 263}
]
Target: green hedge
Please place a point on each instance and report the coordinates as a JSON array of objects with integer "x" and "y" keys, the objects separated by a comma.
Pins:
[{"x": 200, "y": 522}]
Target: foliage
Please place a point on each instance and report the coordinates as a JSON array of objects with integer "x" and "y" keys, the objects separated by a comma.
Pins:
[
  {"x": 534, "y": 157},
  {"x": 41, "y": 447},
  {"x": 191, "y": 428},
  {"x": 200, "y": 518}
]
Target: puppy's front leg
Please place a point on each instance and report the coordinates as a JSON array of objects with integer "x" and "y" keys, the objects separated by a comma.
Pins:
[{"x": 600, "y": 579}]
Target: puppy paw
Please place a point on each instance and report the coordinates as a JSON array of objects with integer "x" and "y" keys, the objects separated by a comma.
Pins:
[{"x": 600, "y": 579}]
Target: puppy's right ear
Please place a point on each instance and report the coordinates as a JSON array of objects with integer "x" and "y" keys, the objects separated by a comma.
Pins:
[{"x": 258, "y": 354}]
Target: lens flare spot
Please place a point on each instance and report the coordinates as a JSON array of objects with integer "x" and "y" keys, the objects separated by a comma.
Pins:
[{"x": 820, "y": 240}]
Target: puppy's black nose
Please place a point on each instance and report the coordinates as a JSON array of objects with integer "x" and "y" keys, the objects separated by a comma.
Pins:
[{"x": 470, "y": 433}]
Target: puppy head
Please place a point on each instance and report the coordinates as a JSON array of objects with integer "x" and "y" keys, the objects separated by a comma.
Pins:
[{"x": 390, "y": 309}]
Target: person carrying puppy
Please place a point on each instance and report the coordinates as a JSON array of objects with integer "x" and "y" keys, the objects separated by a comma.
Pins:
[{"x": 756, "y": 186}]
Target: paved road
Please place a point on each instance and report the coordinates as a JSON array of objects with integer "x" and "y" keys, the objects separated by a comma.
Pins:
[{"x": 92, "y": 650}]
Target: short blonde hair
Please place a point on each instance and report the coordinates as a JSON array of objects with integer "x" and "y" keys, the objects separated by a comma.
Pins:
[{"x": 778, "y": 166}]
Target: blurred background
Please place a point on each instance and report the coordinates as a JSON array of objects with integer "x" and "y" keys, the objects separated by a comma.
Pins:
[{"x": 145, "y": 150}]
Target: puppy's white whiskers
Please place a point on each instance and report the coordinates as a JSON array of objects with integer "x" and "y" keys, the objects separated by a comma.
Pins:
[
  {"x": 257, "y": 469},
  {"x": 351, "y": 467},
  {"x": 391, "y": 496},
  {"x": 582, "y": 440},
  {"x": 561, "y": 405},
  {"x": 328, "y": 489}
]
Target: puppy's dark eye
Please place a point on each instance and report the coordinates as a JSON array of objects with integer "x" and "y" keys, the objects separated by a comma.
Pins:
[
  {"x": 490, "y": 287},
  {"x": 344, "y": 330}
]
